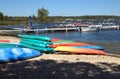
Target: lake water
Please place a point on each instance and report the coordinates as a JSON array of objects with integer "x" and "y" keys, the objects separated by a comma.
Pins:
[{"x": 110, "y": 40}]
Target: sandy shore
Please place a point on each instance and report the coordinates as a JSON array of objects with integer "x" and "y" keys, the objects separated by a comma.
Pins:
[
  {"x": 57, "y": 66},
  {"x": 11, "y": 38}
]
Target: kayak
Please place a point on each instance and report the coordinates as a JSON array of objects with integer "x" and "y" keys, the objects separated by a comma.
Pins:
[
  {"x": 36, "y": 41},
  {"x": 34, "y": 37},
  {"x": 16, "y": 54},
  {"x": 73, "y": 50},
  {"x": 3, "y": 40},
  {"x": 33, "y": 43},
  {"x": 6, "y": 44},
  {"x": 63, "y": 41},
  {"x": 46, "y": 50},
  {"x": 54, "y": 39},
  {"x": 90, "y": 47},
  {"x": 69, "y": 44}
]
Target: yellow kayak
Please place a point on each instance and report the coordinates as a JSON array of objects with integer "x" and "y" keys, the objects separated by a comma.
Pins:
[{"x": 73, "y": 50}]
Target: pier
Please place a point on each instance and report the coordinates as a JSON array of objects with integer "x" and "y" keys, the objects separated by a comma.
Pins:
[
  {"x": 71, "y": 29},
  {"x": 56, "y": 29},
  {"x": 52, "y": 30},
  {"x": 17, "y": 31}
]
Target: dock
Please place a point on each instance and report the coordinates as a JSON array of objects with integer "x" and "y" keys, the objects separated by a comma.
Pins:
[
  {"x": 56, "y": 29},
  {"x": 10, "y": 32},
  {"x": 72, "y": 29},
  {"x": 52, "y": 30}
]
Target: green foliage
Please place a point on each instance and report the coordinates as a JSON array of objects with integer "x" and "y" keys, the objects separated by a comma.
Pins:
[
  {"x": 1, "y": 16},
  {"x": 88, "y": 17},
  {"x": 43, "y": 15},
  {"x": 9, "y": 20}
]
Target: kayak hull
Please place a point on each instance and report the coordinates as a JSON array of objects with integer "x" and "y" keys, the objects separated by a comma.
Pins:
[
  {"x": 2, "y": 40},
  {"x": 15, "y": 54},
  {"x": 70, "y": 44},
  {"x": 90, "y": 47},
  {"x": 73, "y": 50},
  {"x": 34, "y": 37}
]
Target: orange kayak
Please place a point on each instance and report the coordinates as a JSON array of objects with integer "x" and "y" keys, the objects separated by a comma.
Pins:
[
  {"x": 69, "y": 44},
  {"x": 73, "y": 50}
]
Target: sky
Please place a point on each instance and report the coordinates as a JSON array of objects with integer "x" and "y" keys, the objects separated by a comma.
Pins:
[{"x": 60, "y": 7}]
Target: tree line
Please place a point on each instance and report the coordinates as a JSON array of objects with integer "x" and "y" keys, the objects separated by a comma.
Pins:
[{"x": 43, "y": 17}]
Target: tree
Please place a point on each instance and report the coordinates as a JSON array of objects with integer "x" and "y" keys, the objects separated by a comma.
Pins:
[
  {"x": 1, "y": 16},
  {"x": 34, "y": 18},
  {"x": 43, "y": 15}
]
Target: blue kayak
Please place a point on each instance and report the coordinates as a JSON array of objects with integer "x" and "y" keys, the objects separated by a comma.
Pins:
[
  {"x": 15, "y": 54},
  {"x": 90, "y": 47}
]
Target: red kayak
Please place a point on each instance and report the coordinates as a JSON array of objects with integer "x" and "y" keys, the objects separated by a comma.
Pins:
[
  {"x": 69, "y": 44},
  {"x": 55, "y": 39},
  {"x": 2, "y": 40}
]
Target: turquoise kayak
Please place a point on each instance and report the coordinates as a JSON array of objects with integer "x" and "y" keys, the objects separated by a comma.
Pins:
[
  {"x": 46, "y": 50},
  {"x": 90, "y": 47},
  {"x": 34, "y": 37},
  {"x": 34, "y": 44},
  {"x": 37, "y": 41},
  {"x": 16, "y": 54}
]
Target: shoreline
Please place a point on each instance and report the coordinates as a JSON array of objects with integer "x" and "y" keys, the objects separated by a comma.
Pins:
[
  {"x": 111, "y": 48},
  {"x": 59, "y": 66},
  {"x": 15, "y": 39}
]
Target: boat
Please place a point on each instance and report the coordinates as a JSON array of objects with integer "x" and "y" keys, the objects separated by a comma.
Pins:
[
  {"x": 34, "y": 37},
  {"x": 73, "y": 50},
  {"x": 40, "y": 43},
  {"x": 43, "y": 49},
  {"x": 69, "y": 44},
  {"x": 63, "y": 41},
  {"x": 34, "y": 43},
  {"x": 90, "y": 47},
  {"x": 16, "y": 54},
  {"x": 4, "y": 40},
  {"x": 54, "y": 39},
  {"x": 91, "y": 28},
  {"x": 8, "y": 44}
]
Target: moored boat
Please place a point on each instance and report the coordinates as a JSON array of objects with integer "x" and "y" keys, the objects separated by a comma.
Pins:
[{"x": 91, "y": 28}]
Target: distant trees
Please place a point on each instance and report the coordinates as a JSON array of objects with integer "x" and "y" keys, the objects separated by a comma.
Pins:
[
  {"x": 1, "y": 16},
  {"x": 42, "y": 15}
]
